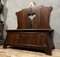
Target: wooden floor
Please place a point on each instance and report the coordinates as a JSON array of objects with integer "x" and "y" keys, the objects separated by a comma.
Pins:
[{"x": 12, "y": 52}]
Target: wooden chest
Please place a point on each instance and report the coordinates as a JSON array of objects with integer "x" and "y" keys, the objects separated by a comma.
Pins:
[{"x": 32, "y": 33}]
